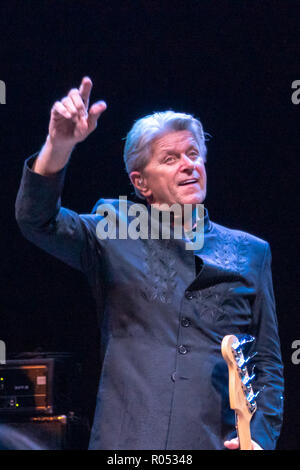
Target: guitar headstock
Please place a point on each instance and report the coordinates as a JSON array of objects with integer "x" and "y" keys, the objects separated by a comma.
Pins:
[{"x": 241, "y": 394}]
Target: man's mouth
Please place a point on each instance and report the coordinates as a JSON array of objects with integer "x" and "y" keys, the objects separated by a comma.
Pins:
[{"x": 188, "y": 181}]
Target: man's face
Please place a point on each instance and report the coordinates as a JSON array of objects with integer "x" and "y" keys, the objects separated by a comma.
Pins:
[{"x": 176, "y": 171}]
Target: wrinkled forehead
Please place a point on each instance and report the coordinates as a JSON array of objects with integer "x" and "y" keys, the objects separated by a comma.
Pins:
[{"x": 174, "y": 141}]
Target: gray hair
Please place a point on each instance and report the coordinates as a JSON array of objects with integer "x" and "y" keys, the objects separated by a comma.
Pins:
[{"x": 137, "y": 150}]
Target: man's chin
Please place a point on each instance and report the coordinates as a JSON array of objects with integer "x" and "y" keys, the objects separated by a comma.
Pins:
[{"x": 192, "y": 200}]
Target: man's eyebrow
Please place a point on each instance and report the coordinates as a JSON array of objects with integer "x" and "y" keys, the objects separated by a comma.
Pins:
[
  {"x": 165, "y": 152},
  {"x": 172, "y": 151},
  {"x": 193, "y": 146}
]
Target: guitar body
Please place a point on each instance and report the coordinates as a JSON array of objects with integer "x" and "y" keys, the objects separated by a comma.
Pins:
[{"x": 241, "y": 396}]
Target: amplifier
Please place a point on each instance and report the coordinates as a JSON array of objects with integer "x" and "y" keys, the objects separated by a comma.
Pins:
[
  {"x": 35, "y": 386},
  {"x": 62, "y": 432},
  {"x": 34, "y": 434}
]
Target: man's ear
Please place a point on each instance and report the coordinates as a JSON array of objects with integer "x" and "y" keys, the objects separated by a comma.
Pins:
[{"x": 140, "y": 183}]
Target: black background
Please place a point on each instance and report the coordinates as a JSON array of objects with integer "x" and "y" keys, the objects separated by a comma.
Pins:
[{"x": 229, "y": 63}]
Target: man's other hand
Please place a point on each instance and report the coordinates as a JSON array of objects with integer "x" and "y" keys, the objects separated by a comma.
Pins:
[{"x": 233, "y": 444}]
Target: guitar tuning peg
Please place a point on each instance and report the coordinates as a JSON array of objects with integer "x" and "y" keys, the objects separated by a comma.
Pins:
[
  {"x": 259, "y": 391},
  {"x": 251, "y": 397},
  {"x": 246, "y": 339},
  {"x": 243, "y": 340},
  {"x": 243, "y": 362},
  {"x": 249, "y": 358},
  {"x": 236, "y": 345},
  {"x": 249, "y": 379}
]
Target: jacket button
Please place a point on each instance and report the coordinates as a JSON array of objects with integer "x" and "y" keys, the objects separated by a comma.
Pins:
[
  {"x": 182, "y": 349},
  {"x": 185, "y": 322},
  {"x": 189, "y": 295}
]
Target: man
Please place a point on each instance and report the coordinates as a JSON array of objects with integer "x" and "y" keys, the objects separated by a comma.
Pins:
[{"x": 163, "y": 309}]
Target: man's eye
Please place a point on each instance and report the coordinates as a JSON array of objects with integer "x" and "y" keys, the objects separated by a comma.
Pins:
[
  {"x": 194, "y": 154},
  {"x": 170, "y": 159}
]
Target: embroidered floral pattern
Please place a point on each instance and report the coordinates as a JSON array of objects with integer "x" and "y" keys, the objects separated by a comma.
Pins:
[
  {"x": 160, "y": 270},
  {"x": 230, "y": 252},
  {"x": 209, "y": 301}
]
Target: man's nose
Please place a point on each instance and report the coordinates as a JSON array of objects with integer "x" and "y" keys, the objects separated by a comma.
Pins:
[{"x": 188, "y": 163}]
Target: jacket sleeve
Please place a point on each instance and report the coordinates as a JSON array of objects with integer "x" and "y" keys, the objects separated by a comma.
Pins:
[
  {"x": 267, "y": 420},
  {"x": 59, "y": 231}
]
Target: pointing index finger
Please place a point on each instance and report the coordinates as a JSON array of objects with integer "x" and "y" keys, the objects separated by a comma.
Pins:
[{"x": 85, "y": 90}]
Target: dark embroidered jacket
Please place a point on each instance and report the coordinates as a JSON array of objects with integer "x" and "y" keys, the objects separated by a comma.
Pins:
[{"x": 164, "y": 382}]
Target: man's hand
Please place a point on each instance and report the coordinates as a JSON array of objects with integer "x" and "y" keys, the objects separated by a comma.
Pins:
[
  {"x": 71, "y": 122},
  {"x": 234, "y": 444},
  {"x": 71, "y": 119}
]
